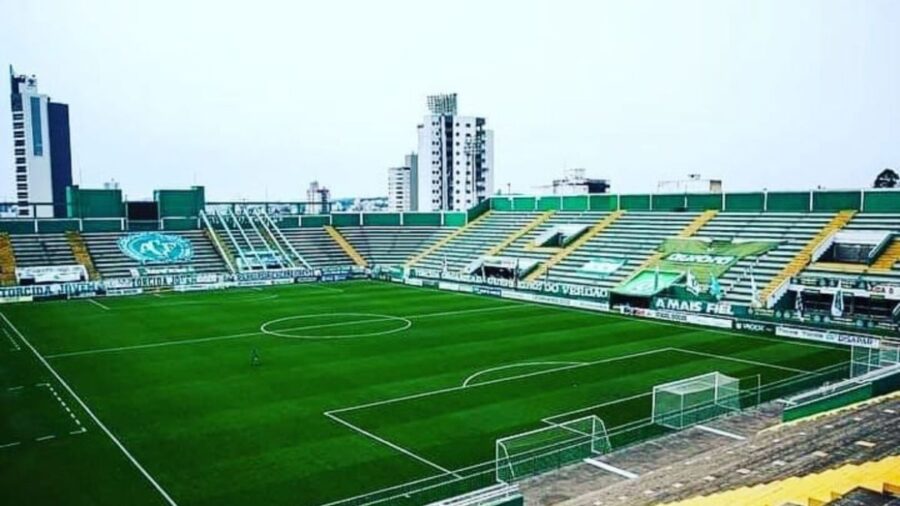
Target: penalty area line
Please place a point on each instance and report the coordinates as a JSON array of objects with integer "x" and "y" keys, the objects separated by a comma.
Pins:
[
  {"x": 91, "y": 414},
  {"x": 98, "y": 304},
  {"x": 390, "y": 444}
]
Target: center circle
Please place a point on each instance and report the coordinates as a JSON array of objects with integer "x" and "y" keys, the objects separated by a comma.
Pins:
[{"x": 278, "y": 328}]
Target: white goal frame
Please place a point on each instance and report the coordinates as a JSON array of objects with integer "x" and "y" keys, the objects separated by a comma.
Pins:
[{"x": 724, "y": 394}]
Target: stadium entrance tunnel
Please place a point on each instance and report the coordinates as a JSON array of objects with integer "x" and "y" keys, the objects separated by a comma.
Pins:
[{"x": 335, "y": 326}]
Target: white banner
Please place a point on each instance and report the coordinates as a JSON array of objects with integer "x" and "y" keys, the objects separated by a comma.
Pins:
[
  {"x": 828, "y": 336},
  {"x": 51, "y": 273}
]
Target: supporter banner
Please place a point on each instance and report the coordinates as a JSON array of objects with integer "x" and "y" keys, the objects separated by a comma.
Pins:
[
  {"x": 698, "y": 306},
  {"x": 545, "y": 287},
  {"x": 156, "y": 247},
  {"x": 601, "y": 267},
  {"x": 51, "y": 274},
  {"x": 707, "y": 258},
  {"x": 118, "y": 292},
  {"x": 827, "y": 336},
  {"x": 487, "y": 290},
  {"x": 49, "y": 291}
]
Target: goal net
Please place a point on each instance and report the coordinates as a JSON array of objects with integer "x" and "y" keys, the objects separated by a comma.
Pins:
[
  {"x": 864, "y": 360},
  {"x": 539, "y": 451},
  {"x": 690, "y": 401}
]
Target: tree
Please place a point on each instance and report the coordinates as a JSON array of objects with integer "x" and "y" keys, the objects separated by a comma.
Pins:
[{"x": 887, "y": 179}]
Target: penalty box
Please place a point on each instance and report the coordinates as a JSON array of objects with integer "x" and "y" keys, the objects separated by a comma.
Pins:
[{"x": 457, "y": 426}]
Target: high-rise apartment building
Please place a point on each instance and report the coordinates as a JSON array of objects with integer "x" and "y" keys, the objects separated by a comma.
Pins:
[
  {"x": 403, "y": 185},
  {"x": 456, "y": 158},
  {"x": 41, "y": 149}
]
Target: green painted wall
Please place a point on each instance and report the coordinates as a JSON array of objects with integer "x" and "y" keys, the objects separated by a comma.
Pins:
[
  {"x": 549, "y": 204},
  {"x": 524, "y": 204},
  {"x": 17, "y": 226},
  {"x": 57, "y": 226},
  {"x": 668, "y": 202},
  {"x": 422, "y": 219},
  {"x": 635, "y": 202},
  {"x": 704, "y": 202},
  {"x": 85, "y": 203},
  {"x": 345, "y": 220},
  {"x": 455, "y": 219},
  {"x": 575, "y": 203},
  {"x": 745, "y": 202},
  {"x": 315, "y": 220},
  {"x": 180, "y": 224},
  {"x": 180, "y": 203},
  {"x": 382, "y": 219},
  {"x": 102, "y": 225},
  {"x": 882, "y": 202},
  {"x": 501, "y": 204},
  {"x": 605, "y": 203},
  {"x": 788, "y": 202},
  {"x": 828, "y": 403},
  {"x": 836, "y": 201}
]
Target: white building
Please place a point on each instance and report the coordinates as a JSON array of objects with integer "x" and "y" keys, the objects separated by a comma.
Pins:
[
  {"x": 694, "y": 183},
  {"x": 403, "y": 185},
  {"x": 41, "y": 149},
  {"x": 317, "y": 199},
  {"x": 456, "y": 158},
  {"x": 574, "y": 182}
]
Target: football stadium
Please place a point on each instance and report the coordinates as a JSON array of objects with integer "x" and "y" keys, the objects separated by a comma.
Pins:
[{"x": 709, "y": 348}]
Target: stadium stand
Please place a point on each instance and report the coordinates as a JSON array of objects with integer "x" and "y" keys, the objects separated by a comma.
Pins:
[
  {"x": 317, "y": 247},
  {"x": 42, "y": 249},
  {"x": 348, "y": 248},
  {"x": 792, "y": 230},
  {"x": 473, "y": 241},
  {"x": 805, "y": 256},
  {"x": 81, "y": 254},
  {"x": 632, "y": 238},
  {"x": 392, "y": 245},
  {"x": 582, "y": 239},
  {"x": 111, "y": 262}
]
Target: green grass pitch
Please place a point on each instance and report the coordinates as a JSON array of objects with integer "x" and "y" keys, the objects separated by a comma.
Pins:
[{"x": 361, "y": 386}]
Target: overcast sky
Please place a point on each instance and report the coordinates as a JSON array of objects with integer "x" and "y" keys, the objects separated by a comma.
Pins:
[{"x": 256, "y": 99}]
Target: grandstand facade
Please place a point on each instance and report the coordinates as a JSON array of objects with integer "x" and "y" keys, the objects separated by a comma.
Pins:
[{"x": 819, "y": 257}]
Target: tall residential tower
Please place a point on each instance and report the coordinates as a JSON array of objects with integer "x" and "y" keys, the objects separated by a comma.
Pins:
[
  {"x": 456, "y": 158},
  {"x": 41, "y": 149}
]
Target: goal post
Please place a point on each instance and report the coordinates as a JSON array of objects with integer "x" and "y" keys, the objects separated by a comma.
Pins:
[
  {"x": 538, "y": 451},
  {"x": 865, "y": 359},
  {"x": 682, "y": 403}
]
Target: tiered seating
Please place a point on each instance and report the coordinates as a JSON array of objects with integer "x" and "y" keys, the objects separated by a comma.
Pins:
[
  {"x": 522, "y": 246},
  {"x": 634, "y": 237},
  {"x": 112, "y": 263},
  {"x": 475, "y": 240},
  {"x": 42, "y": 249},
  {"x": 346, "y": 246},
  {"x": 881, "y": 476},
  {"x": 887, "y": 266},
  {"x": 794, "y": 230},
  {"x": 805, "y": 255},
  {"x": 392, "y": 245},
  {"x": 317, "y": 247}
]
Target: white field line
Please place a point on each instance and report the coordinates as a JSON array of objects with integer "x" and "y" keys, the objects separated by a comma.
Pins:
[
  {"x": 391, "y": 445},
  {"x": 10, "y": 445},
  {"x": 256, "y": 333},
  {"x": 45, "y": 438},
  {"x": 150, "y": 345},
  {"x": 611, "y": 468},
  {"x": 15, "y": 345},
  {"x": 517, "y": 364},
  {"x": 98, "y": 304},
  {"x": 91, "y": 414},
  {"x": 743, "y": 360},
  {"x": 65, "y": 407},
  {"x": 720, "y": 432},
  {"x": 498, "y": 380}
]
